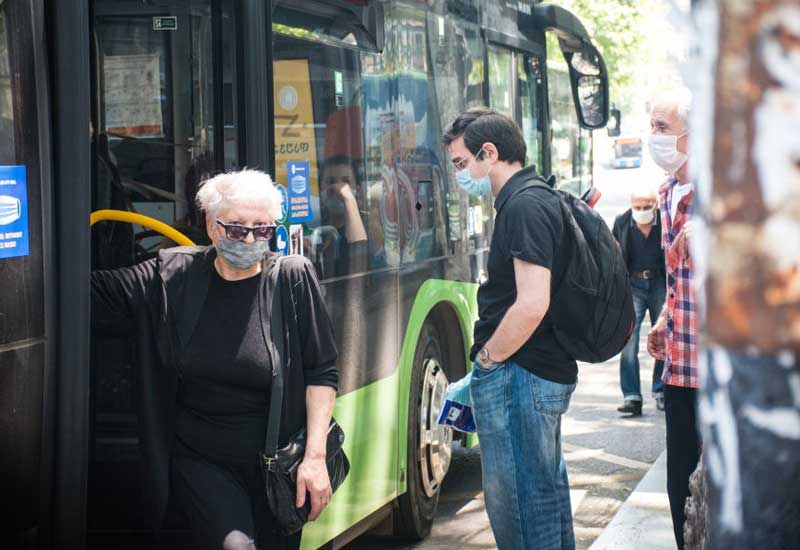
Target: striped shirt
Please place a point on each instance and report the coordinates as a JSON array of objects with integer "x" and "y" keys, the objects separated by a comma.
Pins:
[{"x": 680, "y": 363}]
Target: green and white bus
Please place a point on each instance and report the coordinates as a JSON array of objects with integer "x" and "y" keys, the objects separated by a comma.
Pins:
[{"x": 129, "y": 104}]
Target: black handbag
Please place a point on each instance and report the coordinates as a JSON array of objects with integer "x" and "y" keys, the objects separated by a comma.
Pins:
[{"x": 279, "y": 466}]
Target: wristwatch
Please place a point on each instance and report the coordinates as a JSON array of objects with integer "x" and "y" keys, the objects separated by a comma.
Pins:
[{"x": 483, "y": 358}]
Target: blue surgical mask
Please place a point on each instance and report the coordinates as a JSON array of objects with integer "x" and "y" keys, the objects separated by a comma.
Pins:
[
  {"x": 240, "y": 254},
  {"x": 474, "y": 186}
]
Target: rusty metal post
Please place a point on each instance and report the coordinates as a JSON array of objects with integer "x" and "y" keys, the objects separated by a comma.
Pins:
[{"x": 746, "y": 142}]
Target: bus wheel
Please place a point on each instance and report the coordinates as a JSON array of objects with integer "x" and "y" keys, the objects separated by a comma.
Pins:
[{"x": 428, "y": 454}]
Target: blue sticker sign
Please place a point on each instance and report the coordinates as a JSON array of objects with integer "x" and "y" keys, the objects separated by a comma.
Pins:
[
  {"x": 299, "y": 175},
  {"x": 14, "y": 233},
  {"x": 282, "y": 240},
  {"x": 284, "y": 203}
]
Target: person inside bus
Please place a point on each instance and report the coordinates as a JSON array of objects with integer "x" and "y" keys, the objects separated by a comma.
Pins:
[
  {"x": 638, "y": 232},
  {"x": 340, "y": 205},
  {"x": 204, "y": 372}
]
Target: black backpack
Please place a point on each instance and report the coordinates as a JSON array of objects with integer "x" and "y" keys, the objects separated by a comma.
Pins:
[{"x": 592, "y": 306}]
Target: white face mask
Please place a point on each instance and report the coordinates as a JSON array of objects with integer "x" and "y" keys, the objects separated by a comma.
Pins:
[
  {"x": 664, "y": 150},
  {"x": 643, "y": 217}
]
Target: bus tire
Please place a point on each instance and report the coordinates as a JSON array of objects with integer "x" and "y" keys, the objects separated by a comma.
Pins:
[{"x": 428, "y": 445}]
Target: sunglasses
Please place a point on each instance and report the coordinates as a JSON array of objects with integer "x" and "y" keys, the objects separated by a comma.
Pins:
[{"x": 239, "y": 232}]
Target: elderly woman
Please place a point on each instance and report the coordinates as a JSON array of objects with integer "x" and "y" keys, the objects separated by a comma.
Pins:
[{"x": 204, "y": 373}]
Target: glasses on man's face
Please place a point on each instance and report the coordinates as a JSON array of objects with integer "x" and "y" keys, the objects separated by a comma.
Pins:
[
  {"x": 462, "y": 163},
  {"x": 239, "y": 232}
]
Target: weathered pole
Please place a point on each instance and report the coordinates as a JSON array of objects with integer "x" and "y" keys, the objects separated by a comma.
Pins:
[{"x": 746, "y": 146}]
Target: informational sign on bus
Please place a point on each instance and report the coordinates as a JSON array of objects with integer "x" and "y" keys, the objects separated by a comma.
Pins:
[
  {"x": 282, "y": 240},
  {"x": 284, "y": 203},
  {"x": 14, "y": 237},
  {"x": 299, "y": 174},
  {"x": 295, "y": 140}
]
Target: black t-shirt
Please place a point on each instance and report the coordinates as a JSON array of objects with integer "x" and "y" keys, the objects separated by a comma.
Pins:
[
  {"x": 226, "y": 375},
  {"x": 529, "y": 227}
]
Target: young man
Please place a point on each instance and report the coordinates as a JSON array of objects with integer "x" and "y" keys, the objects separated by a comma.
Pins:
[
  {"x": 638, "y": 231},
  {"x": 522, "y": 379},
  {"x": 674, "y": 337}
]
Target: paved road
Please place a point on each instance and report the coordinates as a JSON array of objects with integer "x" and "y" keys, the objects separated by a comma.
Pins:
[{"x": 606, "y": 453}]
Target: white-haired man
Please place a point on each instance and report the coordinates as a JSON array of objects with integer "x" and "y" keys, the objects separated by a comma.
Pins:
[{"x": 674, "y": 337}]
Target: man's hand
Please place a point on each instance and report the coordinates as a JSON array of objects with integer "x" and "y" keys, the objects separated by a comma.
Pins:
[
  {"x": 312, "y": 476},
  {"x": 681, "y": 245},
  {"x": 656, "y": 339},
  {"x": 343, "y": 192}
]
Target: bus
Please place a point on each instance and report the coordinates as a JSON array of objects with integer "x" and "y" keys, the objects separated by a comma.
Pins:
[
  {"x": 627, "y": 152},
  {"x": 129, "y": 105}
]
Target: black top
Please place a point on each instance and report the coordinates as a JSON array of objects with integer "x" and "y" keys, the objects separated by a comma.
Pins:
[
  {"x": 226, "y": 373},
  {"x": 624, "y": 229},
  {"x": 160, "y": 302},
  {"x": 529, "y": 227},
  {"x": 645, "y": 253}
]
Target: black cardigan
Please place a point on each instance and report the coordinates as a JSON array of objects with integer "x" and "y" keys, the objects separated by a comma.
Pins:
[{"x": 159, "y": 302}]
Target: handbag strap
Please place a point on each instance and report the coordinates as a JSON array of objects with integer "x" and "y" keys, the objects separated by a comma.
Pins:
[{"x": 276, "y": 345}]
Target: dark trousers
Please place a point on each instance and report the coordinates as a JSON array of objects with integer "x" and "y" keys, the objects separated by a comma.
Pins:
[{"x": 683, "y": 450}]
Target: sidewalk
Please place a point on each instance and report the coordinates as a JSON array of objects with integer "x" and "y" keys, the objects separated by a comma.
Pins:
[{"x": 643, "y": 522}]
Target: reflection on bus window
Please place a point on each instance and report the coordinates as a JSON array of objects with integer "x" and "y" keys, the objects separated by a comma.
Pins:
[
  {"x": 341, "y": 215},
  {"x": 6, "y": 105}
]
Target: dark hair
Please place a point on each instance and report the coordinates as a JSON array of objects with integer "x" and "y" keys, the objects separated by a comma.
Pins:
[
  {"x": 480, "y": 125},
  {"x": 341, "y": 160}
]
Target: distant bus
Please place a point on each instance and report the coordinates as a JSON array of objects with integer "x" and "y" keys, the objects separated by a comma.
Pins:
[
  {"x": 130, "y": 105},
  {"x": 627, "y": 152}
]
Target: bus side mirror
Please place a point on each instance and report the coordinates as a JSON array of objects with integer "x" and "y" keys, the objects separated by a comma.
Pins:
[
  {"x": 587, "y": 70},
  {"x": 614, "y": 123},
  {"x": 589, "y": 80}
]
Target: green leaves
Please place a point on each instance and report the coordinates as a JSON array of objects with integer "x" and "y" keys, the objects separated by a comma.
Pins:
[{"x": 616, "y": 29}]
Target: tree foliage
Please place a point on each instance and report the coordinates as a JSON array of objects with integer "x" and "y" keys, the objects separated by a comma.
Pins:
[{"x": 616, "y": 29}]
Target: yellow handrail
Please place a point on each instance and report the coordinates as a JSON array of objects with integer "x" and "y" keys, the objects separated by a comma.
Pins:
[{"x": 139, "y": 219}]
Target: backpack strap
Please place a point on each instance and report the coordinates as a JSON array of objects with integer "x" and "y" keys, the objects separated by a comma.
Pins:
[{"x": 535, "y": 181}]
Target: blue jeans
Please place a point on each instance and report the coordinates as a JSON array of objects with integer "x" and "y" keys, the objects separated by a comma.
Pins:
[
  {"x": 518, "y": 416},
  {"x": 648, "y": 296}
]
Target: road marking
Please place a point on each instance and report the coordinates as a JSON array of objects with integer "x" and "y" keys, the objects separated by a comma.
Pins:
[{"x": 577, "y": 453}]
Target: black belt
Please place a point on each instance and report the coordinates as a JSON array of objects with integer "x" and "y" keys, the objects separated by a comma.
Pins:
[{"x": 646, "y": 274}]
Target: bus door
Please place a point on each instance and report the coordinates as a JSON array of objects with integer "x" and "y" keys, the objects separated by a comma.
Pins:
[
  {"x": 336, "y": 141},
  {"x": 165, "y": 117},
  {"x": 515, "y": 85},
  {"x": 26, "y": 332}
]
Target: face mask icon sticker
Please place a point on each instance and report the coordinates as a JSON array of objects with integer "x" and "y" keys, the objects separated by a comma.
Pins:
[
  {"x": 10, "y": 209},
  {"x": 14, "y": 238}
]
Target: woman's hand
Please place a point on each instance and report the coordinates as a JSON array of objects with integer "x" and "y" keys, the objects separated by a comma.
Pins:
[{"x": 312, "y": 476}]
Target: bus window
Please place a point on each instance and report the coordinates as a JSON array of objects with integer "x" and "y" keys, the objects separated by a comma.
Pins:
[
  {"x": 501, "y": 71},
  {"x": 322, "y": 121},
  {"x": 159, "y": 130},
  {"x": 457, "y": 63},
  {"x": 571, "y": 152},
  {"x": 529, "y": 82}
]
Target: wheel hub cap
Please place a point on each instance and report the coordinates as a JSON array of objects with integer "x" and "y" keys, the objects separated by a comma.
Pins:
[{"x": 435, "y": 439}]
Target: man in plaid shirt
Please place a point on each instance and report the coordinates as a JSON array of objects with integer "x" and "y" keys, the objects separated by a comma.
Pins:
[{"x": 674, "y": 336}]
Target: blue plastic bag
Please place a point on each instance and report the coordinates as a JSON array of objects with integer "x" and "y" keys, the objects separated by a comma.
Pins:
[{"x": 457, "y": 409}]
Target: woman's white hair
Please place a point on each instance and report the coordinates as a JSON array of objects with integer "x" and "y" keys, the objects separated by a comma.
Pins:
[{"x": 245, "y": 187}]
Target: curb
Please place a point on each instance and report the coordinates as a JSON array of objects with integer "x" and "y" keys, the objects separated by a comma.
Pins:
[{"x": 643, "y": 522}]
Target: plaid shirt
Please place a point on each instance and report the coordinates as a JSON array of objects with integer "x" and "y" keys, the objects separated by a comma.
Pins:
[{"x": 680, "y": 363}]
